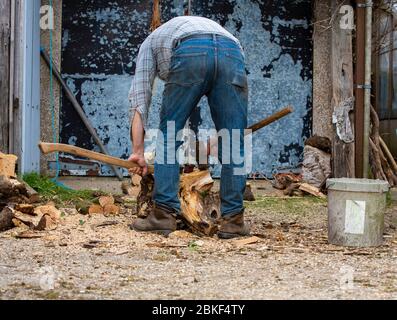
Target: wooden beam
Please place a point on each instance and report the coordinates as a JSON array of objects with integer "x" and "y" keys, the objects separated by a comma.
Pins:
[
  {"x": 343, "y": 97},
  {"x": 5, "y": 15}
]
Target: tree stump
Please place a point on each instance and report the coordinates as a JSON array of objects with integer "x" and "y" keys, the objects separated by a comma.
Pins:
[{"x": 200, "y": 206}]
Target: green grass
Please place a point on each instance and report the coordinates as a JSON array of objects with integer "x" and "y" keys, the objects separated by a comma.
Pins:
[
  {"x": 292, "y": 205},
  {"x": 50, "y": 191}
]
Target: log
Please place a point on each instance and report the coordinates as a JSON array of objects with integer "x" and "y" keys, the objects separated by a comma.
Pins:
[
  {"x": 200, "y": 206},
  {"x": 12, "y": 191},
  {"x": 33, "y": 195},
  {"x": 7, "y": 164},
  {"x": 316, "y": 166}
]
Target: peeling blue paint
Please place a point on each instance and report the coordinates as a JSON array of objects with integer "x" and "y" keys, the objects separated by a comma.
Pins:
[{"x": 101, "y": 41}]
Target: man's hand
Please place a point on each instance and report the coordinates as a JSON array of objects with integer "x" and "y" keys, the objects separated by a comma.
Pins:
[
  {"x": 139, "y": 159},
  {"x": 137, "y": 137}
]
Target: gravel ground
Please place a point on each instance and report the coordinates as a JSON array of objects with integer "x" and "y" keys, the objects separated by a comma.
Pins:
[{"x": 290, "y": 260}]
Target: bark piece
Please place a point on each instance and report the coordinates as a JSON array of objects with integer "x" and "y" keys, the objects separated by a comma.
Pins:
[
  {"x": 283, "y": 180},
  {"x": 6, "y": 216},
  {"x": 248, "y": 194},
  {"x": 144, "y": 199},
  {"x": 26, "y": 208}
]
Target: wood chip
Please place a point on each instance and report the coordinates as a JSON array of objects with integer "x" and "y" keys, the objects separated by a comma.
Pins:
[
  {"x": 247, "y": 241},
  {"x": 49, "y": 210},
  {"x": 105, "y": 201},
  {"x": 47, "y": 223},
  {"x": 312, "y": 190},
  {"x": 29, "y": 235},
  {"x": 95, "y": 209},
  {"x": 107, "y": 224},
  {"x": 111, "y": 209}
]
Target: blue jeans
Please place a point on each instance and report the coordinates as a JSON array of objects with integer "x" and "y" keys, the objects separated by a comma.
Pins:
[{"x": 213, "y": 66}]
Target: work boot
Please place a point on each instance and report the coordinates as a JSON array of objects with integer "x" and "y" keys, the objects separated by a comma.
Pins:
[
  {"x": 160, "y": 220},
  {"x": 233, "y": 227}
]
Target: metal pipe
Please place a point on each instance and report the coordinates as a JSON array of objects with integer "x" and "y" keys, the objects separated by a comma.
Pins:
[
  {"x": 79, "y": 110},
  {"x": 360, "y": 79},
  {"x": 12, "y": 75},
  {"x": 367, "y": 94}
]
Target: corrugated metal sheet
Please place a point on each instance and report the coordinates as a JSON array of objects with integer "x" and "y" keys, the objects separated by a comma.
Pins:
[{"x": 100, "y": 44}]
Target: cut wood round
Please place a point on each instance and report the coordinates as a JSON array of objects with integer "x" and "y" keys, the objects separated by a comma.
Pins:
[{"x": 200, "y": 206}]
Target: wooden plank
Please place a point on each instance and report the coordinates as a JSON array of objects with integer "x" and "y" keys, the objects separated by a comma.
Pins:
[
  {"x": 5, "y": 14},
  {"x": 342, "y": 92}
]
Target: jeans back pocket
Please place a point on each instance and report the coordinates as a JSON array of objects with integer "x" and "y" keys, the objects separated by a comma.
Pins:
[{"x": 188, "y": 69}]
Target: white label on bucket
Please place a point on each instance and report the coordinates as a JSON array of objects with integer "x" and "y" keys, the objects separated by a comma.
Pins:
[{"x": 355, "y": 217}]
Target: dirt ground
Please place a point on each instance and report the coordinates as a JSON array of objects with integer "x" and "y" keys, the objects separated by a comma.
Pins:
[{"x": 99, "y": 257}]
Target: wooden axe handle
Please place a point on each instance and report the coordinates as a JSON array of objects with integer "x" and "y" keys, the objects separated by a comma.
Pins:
[
  {"x": 274, "y": 117},
  {"x": 47, "y": 148}
]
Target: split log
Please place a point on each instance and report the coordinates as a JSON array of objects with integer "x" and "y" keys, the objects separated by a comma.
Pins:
[
  {"x": 33, "y": 195},
  {"x": 7, "y": 164},
  {"x": 12, "y": 188},
  {"x": 199, "y": 205},
  {"x": 316, "y": 166}
]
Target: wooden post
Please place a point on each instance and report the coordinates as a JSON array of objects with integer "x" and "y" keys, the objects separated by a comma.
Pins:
[
  {"x": 343, "y": 97},
  {"x": 5, "y": 13}
]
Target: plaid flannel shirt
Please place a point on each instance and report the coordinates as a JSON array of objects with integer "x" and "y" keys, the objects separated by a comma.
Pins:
[{"x": 154, "y": 57}]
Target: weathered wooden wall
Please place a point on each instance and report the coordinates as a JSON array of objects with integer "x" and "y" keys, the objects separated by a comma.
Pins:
[{"x": 5, "y": 30}]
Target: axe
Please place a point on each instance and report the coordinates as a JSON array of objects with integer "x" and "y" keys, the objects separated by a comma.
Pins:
[{"x": 47, "y": 148}]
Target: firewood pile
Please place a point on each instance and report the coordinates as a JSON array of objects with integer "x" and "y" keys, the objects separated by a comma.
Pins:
[
  {"x": 294, "y": 185},
  {"x": 383, "y": 165},
  {"x": 19, "y": 203},
  {"x": 316, "y": 169}
]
